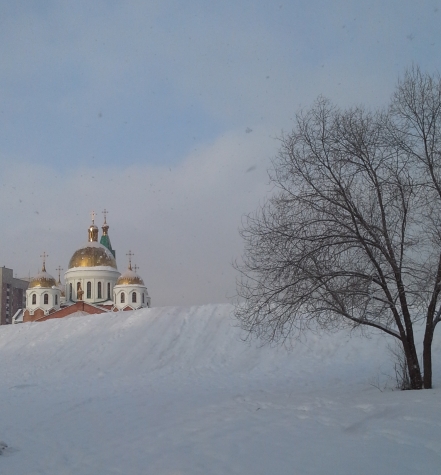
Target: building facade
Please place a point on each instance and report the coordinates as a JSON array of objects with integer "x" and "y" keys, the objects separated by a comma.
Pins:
[{"x": 12, "y": 295}]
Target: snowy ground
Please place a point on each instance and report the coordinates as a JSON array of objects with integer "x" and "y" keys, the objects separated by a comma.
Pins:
[{"x": 171, "y": 391}]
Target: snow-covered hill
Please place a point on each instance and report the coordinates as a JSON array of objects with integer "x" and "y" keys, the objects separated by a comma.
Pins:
[{"x": 177, "y": 391}]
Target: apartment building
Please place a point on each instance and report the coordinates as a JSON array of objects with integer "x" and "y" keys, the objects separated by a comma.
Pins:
[{"x": 12, "y": 295}]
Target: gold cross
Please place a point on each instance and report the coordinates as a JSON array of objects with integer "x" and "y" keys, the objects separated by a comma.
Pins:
[
  {"x": 130, "y": 254},
  {"x": 44, "y": 255},
  {"x": 93, "y": 215},
  {"x": 59, "y": 269},
  {"x": 105, "y": 212}
]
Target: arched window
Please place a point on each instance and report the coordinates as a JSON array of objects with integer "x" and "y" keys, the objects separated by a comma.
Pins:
[
  {"x": 133, "y": 297},
  {"x": 108, "y": 290},
  {"x": 78, "y": 286},
  {"x": 143, "y": 297},
  {"x": 70, "y": 291},
  {"x": 34, "y": 299},
  {"x": 46, "y": 299},
  {"x": 56, "y": 299},
  {"x": 99, "y": 290},
  {"x": 89, "y": 290},
  {"x": 123, "y": 297}
]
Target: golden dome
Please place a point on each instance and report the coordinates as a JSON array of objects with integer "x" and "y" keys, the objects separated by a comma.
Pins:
[
  {"x": 42, "y": 280},
  {"x": 92, "y": 254},
  {"x": 129, "y": 277}
]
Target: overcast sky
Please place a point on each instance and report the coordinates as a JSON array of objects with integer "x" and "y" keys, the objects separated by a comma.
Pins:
[{"x": 167, "y": 113}]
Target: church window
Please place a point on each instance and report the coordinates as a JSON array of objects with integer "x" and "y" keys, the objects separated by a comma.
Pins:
[
  {"x": 78, "y": 286},
  {"x": 89, "y": 290},
  {"x": 123, "y": 297},
  {"x": 99, "y": 290},
  {"x": 70, "y": 291},
  {"x": 143, "y": 297},
  {"x": 56, "y": 299},
  {"x": 34, "y": 299},
  {"x": 46, "y": 299},
  {"x": 108, "y": 290},
  {"x": 133, "y": 297}
]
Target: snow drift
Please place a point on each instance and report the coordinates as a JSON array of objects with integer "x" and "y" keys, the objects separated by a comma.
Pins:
[
  {"x": 171, "y": 339},
  {"x": 177, "y": 391}
]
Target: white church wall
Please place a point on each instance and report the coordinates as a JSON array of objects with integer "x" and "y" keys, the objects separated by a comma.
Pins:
[
  {"x": 94, "y": 275},
  {"x": 52, "y": 300},
  {"x": 128, "y": 290}
]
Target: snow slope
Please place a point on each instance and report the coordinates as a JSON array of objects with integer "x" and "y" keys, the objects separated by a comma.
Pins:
[{"x": 176, "y": 391}]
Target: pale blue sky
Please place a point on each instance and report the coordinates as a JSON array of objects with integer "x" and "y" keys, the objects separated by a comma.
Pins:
[{"x": 138, "y": 105}]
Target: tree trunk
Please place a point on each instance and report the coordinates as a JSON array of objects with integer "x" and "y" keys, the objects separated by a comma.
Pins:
[
  {"x": 416, "y": 380},
  {"x": 427, "y": 357}
]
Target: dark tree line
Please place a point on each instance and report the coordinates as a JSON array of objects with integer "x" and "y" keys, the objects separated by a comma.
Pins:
[{"x": 352, "y": 234}]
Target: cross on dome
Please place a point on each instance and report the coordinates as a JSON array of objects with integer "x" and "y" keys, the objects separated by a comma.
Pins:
[
  {"x": 43, "y": 256},
  {"x": 93, "y": 216},
  {"x": 105, "y": 212},
  {"x": 135, "y": 268},
  {"x": 59, "y": 269},
  {"x": 130, "y": 254}
]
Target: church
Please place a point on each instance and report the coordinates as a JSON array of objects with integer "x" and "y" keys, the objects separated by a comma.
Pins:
[{"x": 92, "y": 283}]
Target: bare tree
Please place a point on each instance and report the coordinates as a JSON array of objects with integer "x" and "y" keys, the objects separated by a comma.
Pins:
[{"x": 352, "y": 234}]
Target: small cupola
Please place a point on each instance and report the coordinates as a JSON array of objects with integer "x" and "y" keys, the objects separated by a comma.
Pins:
[{"x": 130, "y": 292}]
